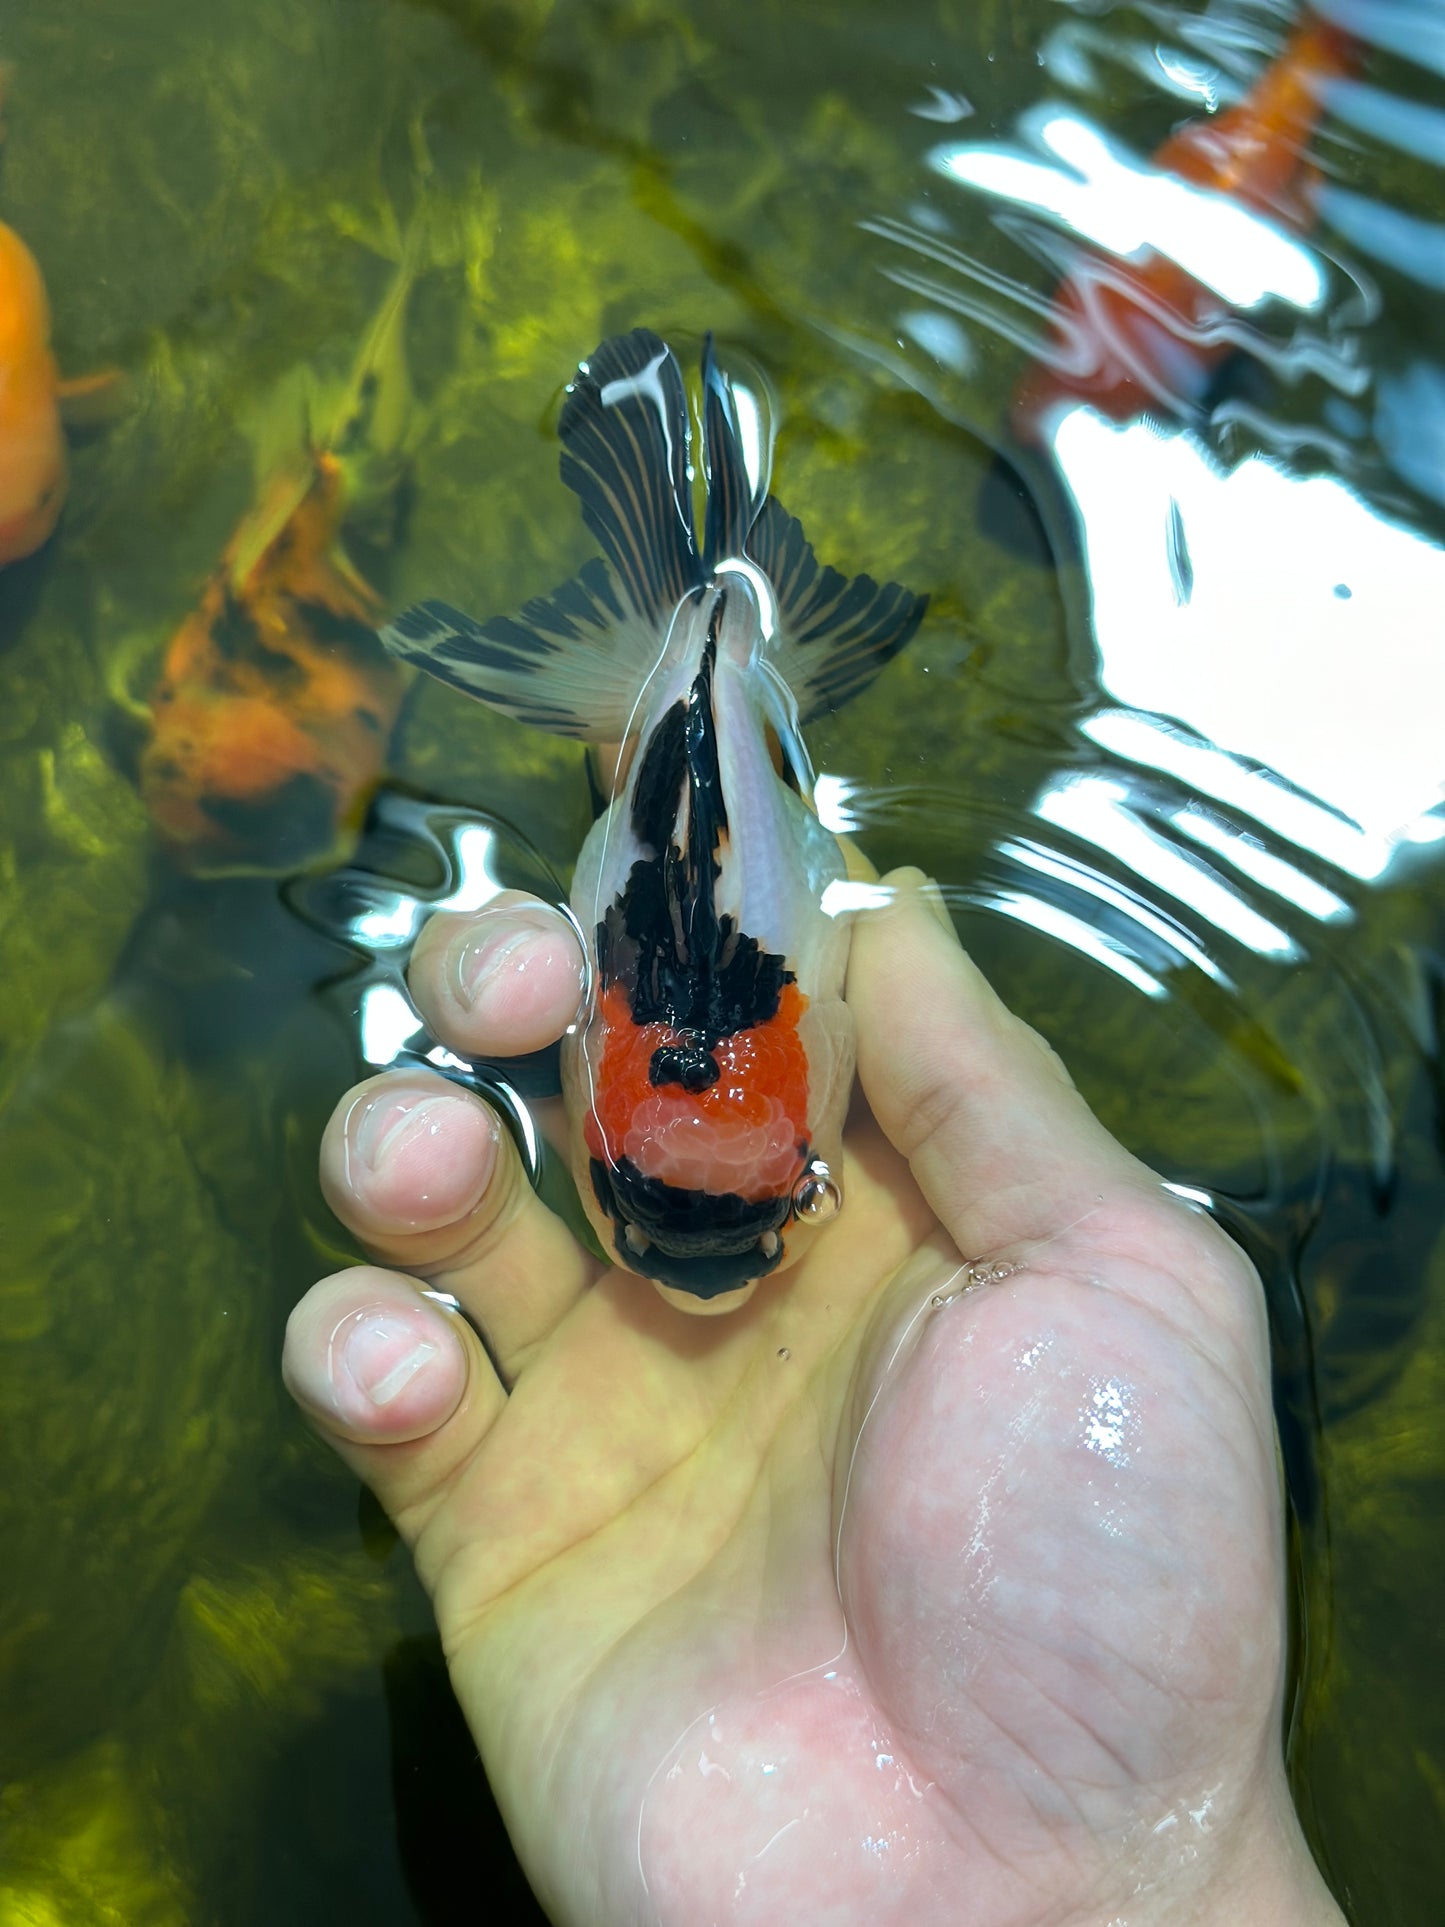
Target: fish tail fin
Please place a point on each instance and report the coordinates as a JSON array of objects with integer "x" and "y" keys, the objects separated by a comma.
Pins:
[
  {"x": 832, "y": 633},
  {"x": 575, "y": 662}
]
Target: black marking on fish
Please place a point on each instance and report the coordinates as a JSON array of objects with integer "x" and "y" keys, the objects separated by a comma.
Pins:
[
  {"x": 575, "y": 662},
  {"x": 663, "y": 940},
  {"x": 234, "y": 631},
  {"x": 342, "y": 631},
  {"x": 687, "y": 1063},
  {"x": 657, "y": 793},
  {"x": 625, "y": 444},
  {"x": 838, "y": 630},
  {"x": 730, "y": 504},
  {"x": 296, "y": 818},
  {"x": 565, "y": 662},
  {"x": 699, "y": 1241}
]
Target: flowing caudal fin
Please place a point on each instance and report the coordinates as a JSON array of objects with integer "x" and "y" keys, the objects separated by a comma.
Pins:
[
  {"x": 573, "y": 662},
  {"x": 834, "y": 632},
  {"x": 732, "y": 497},
  {"x": 576, "y": 661},
  {"x": 625, "y": 442}
]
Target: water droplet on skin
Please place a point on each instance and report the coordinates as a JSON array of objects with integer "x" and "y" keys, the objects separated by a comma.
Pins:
[
  {"x": 1110, "y": 1422},
  {"x": 783, "y": 1352}
]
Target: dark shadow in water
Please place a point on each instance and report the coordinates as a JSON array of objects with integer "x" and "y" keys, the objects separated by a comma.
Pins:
[{"x": 455, "y": 1855}]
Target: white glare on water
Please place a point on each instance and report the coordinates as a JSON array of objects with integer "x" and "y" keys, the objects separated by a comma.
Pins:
[
  {"x": 1128, "y": 207},
  {"x": 388, "y": 1024},
  {"x": 1310, "y": 641},
  {"x": 472, "y": 850}
]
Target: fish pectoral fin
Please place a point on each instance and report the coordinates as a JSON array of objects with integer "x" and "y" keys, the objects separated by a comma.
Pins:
[
  {"x": 835, "y": 632},
  {"x": 93, "y": 401},
  {"x": 572, "y": 662},
  {"x": 625, "y": 455}
]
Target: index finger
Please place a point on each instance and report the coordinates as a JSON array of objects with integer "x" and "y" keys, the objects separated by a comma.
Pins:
[{"x": 500, "y": 981}]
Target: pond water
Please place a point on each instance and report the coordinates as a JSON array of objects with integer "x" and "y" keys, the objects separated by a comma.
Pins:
[{"x": 1170, "y": 739}]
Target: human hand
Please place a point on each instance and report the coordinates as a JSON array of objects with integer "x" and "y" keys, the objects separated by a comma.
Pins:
[{"x": 917, "y": 1589}]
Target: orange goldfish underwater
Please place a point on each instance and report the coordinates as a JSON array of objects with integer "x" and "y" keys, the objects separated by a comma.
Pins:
[
  {"x": 1136, "y": 335},
  {"x": 275, "y": 701},
  {"x": 32, "y": 447}
]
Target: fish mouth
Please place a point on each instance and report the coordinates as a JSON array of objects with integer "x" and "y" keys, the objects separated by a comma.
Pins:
[{"x": 703, "y": 1243}]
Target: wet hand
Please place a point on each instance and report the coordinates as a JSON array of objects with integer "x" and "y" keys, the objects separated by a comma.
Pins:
[{"x": 942, "y": 1581}]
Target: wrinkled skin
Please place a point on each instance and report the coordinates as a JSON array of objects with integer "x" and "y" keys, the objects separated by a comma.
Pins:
[{"x": 1050, "y": 1503}]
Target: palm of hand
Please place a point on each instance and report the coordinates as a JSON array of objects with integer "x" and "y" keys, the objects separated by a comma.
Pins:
[
  {"x": 856, "y": 1603},
  {"x": 638, "y": 1577}
]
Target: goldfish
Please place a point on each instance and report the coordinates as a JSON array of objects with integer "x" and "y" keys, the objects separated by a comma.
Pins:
[
  {"x": 1130, "y": 335},
  {"x": 707, "y": 1081},
  {"x": 270, "y": 721},
  {"x": 32, "y": 444},
  {"x": 268, "y": 725}
]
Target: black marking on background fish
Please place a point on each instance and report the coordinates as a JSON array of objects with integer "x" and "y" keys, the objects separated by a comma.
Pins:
[
  {"x": 327, "y": 625},
  {"x": 625, "y": 442},
  {"x": 234, "y": 630},
  {"x": 730, "y": 506},
  {"x": 700, "y": 1241}
]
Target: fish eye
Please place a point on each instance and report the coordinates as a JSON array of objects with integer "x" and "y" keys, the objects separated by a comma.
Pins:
[{"x": 817, "y": 1196}]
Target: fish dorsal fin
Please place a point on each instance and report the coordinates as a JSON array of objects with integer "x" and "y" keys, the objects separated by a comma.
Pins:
[
  {"x": 834, "y": 632},
  {"x": 732, "y": 502},
  {"x": 625, "y": 447}
]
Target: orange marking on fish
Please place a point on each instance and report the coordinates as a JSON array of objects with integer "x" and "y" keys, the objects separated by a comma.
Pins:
[
  {"x": 745, "y": 1134},
  {"x": 255, "y": 695},
  {"x": 1144, "y": 321},
  {"x": 32, "y": 445}
]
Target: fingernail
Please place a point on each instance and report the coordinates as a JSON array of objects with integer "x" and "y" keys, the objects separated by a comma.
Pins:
[
  {"x": 480, "y": 958},
  {"x": 381, "y": 1354},
  {"x": 391, "y": 1119}
]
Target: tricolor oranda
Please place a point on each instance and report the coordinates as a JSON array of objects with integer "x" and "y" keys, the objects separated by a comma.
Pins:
[{"x": 708, "y": 1078}]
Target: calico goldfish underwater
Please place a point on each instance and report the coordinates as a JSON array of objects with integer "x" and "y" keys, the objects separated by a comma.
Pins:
[
  {"x": 1138, "y": 333},
  {"x": 267, "y": 727},
  {"x": 707, "y": 1081}
]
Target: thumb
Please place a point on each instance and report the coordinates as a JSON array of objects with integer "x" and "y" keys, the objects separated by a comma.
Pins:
[{"x": 999, "y": 1141}]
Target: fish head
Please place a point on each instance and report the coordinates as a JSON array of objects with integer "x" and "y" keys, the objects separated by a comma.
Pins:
[{"x": 707, "y": 1163}]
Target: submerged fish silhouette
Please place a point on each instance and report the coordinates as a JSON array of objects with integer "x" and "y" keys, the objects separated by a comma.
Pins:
[
  {"x": 34, "y": 471},
  {"x": 708, "y": 1083},
  {"x": 268, "y": 724},
  {"x": 1132, "y": 335}
]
